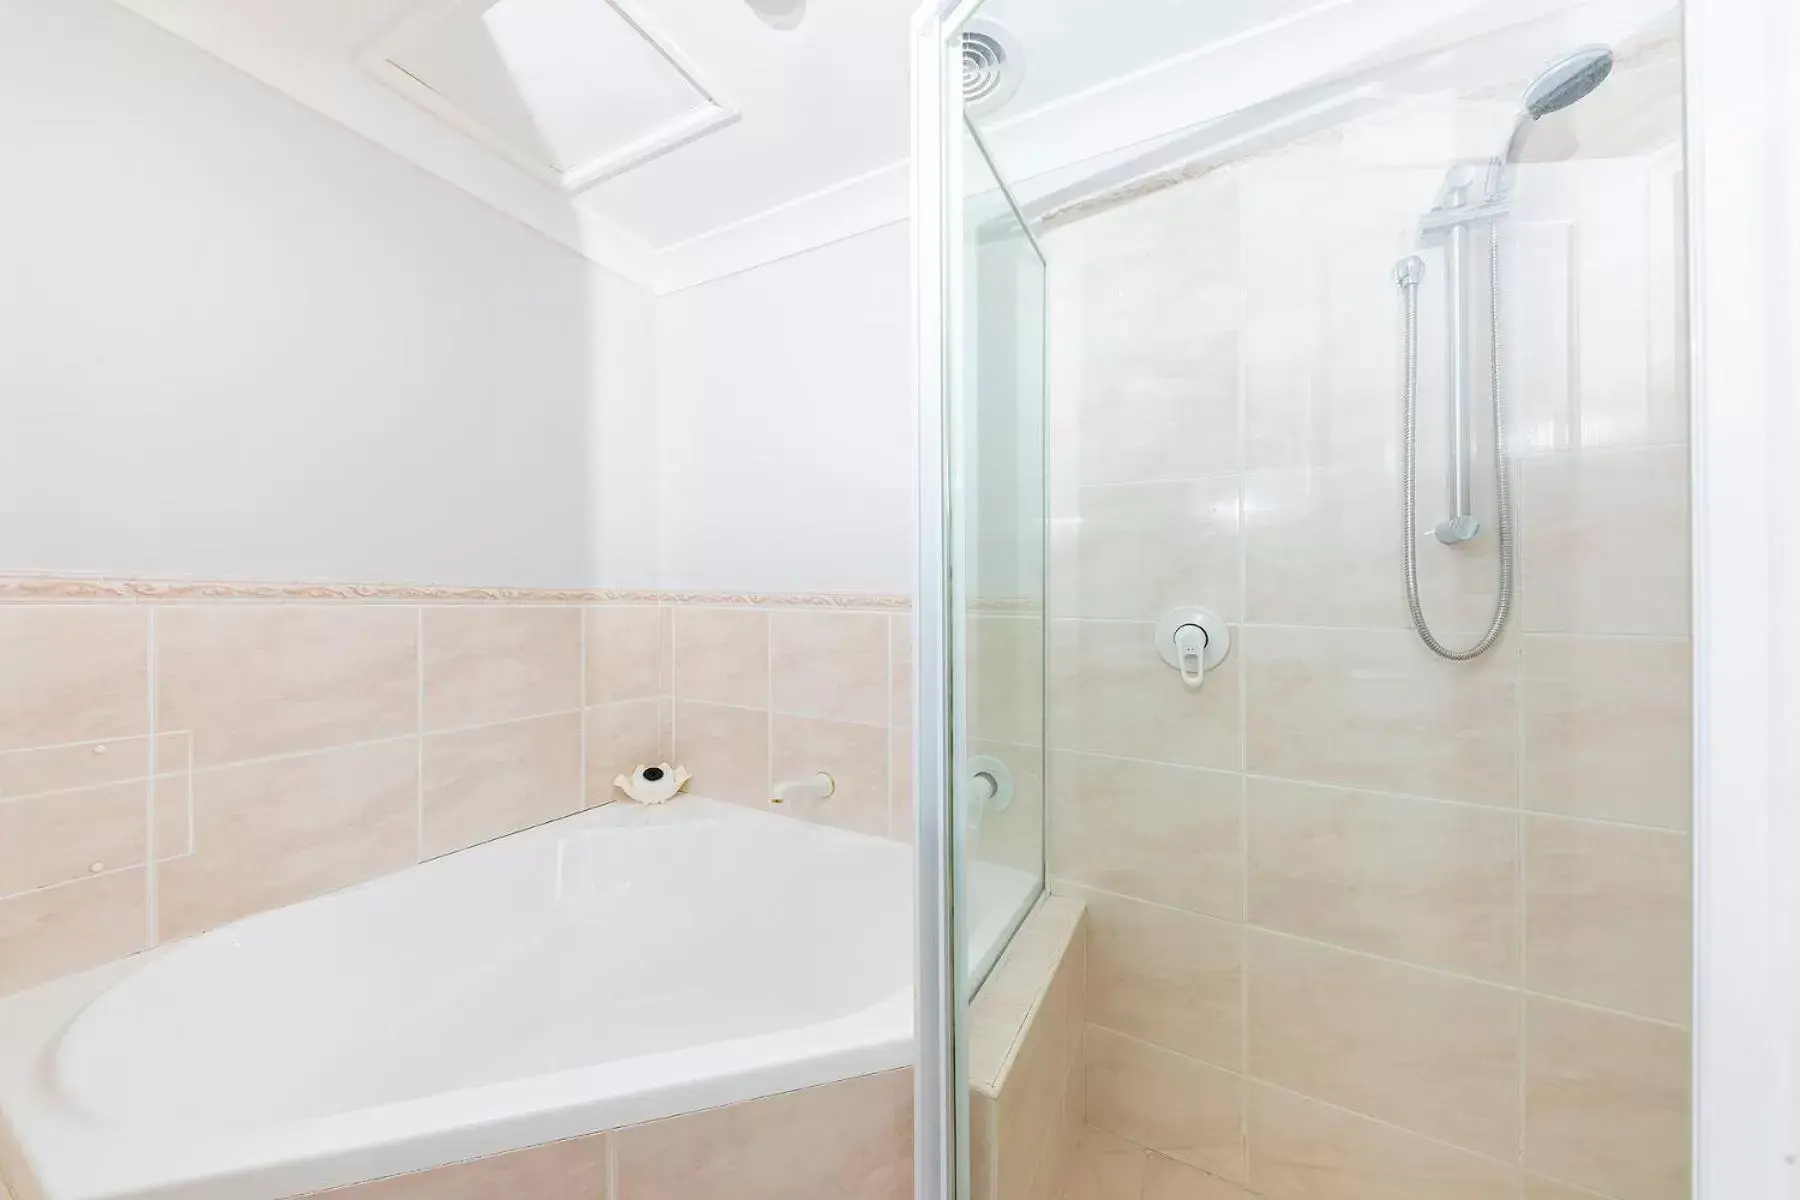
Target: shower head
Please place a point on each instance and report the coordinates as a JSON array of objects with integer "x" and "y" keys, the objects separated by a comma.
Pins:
[
  {"x": 1567, "y": 81},
  {"x": 1564, "y": 82}
]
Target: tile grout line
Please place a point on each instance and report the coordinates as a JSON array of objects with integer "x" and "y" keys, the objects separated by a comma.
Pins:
[
  {"x": 1440, "y": 972},
  {"x": 1307, "y": 1096},
  {"x": 1521, "y": 906},
  {"x": 887, "y": 764},
  {"x": 1243, "y": 686},
  {"x": 152, "y": 888},
  {"x": 419, "y": 734},
  {"x": 581, "y": 667},
  {"x": 769, "y": 710},
  {"x": 291, "y": 754},
  {"x": 1314, "y": 627},
  {"x": 1377, "y": 790}
]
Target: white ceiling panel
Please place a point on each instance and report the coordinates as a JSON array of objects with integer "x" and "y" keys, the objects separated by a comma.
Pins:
[{"x": 575, "y": 90}]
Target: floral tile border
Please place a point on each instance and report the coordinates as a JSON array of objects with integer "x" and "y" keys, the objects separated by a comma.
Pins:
[{"x": 56, "y": 589}]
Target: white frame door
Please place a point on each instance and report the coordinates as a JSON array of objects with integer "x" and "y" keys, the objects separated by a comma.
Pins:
[{"x": 1743, "y": 218}]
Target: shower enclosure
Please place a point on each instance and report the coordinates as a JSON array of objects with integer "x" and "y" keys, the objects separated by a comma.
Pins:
[{"x": 1392, "y": 898}]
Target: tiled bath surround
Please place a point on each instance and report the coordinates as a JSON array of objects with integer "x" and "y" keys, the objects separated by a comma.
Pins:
[
  {"x": 847, "y": 1139},
  {"x": 1363, "y": 923},
  {"x": 175, "y": 757}
]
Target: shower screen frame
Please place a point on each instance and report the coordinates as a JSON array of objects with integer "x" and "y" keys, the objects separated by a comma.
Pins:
[
  {"x": 940, "y": 1127},
  {"x": 1743, "y": 197}
]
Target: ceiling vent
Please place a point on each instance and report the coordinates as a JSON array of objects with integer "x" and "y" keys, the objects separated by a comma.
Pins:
[{"x": 993, "y": 66}]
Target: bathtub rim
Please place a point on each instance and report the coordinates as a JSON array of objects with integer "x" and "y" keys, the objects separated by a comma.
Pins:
[{"x": 71, "y": 1159}]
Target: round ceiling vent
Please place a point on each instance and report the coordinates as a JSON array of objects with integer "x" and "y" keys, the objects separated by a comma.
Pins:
[
  {"x": 992, "y": 66},
  {"x": 779, "y": 14}
]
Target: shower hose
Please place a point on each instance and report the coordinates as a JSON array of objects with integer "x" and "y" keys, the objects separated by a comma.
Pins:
[{"x": 1409, "y": 462}]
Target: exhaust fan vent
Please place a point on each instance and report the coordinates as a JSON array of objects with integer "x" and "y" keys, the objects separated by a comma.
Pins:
[{"x": 992, "y": 67}]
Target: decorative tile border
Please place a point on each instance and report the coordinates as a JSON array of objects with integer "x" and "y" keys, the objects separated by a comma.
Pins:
[{"x": 54, "y": 588}]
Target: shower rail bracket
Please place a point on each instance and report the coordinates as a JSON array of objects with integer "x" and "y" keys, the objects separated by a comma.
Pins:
[{"x": 1435, "y": 225}]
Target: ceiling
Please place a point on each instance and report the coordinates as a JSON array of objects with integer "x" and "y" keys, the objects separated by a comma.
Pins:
[{"x": 676, "y": 141}]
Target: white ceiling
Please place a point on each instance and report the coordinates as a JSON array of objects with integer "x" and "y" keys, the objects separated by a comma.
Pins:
[
  {"x": 779, "y": 139},
  {"x": 679, "y": 140}
]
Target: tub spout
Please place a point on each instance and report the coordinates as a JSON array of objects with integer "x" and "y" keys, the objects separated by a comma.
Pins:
[{"x": 804, "y": 791}]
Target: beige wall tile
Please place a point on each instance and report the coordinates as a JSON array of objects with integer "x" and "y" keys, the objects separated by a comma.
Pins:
[
  {"x": 1604, "y": 541},
  {"x": 1425, "y": 1051},
  {"x": 901, "y": 814},
  {"x": 831, "y": 664},
  {"x": 87, "y": 764},
  {"x": 1146, "y": 547},
  {"x": 1606, "y": 1101},
  {"x": 1151, "y": 292},
  {"x": 53, "y": 839},
  {"x": 1014, "y": 836},
  {"x": 1186, "y": 389},
  {"x": 1167, "y": 977},
  {"x": 852, "y": 1138},
  {"x": 726, "y": 749},
  {"x": 627, "y": 652},
  {"x": 1375, "y": 709},
  {"x": 1301, "y": 1149},
  {"x": 1103, "y": 1166},
  {"x": 1005, "y": 679},
  {"x": 1113, "y": 695},
  {"x": 1071, "y": 980},
  {"x": 1165, "y": 834},
  {"x": 1188, "y": 1110},
  {"x": 174, "y": 808},
  {"x": 720, "y": 655},
  {"x": 280, "y": 831},
  {"x": 253, "y": 680},
  {"x": 1166, "y": 1179},
  {"x": 65, "y": 929},
  {"x": 981, "y": 1146},
  {"x": 489, "y": 782},
  {"x": 73, "y": 673},
  {"x": 855, "y": 756},
  {"x": 486, "y": 663},
  {"x": 1608, "y": 915},
  {"x": 1608, "y": 728},
  {"x": 1029, "y": 1100},
  {"x": 900, "y": 663},
  {"x": 1550, "y": 1189},
  {"x": 1320, "y": 551},
  {"x": 571, "y": 1170},
  {"x": 1420, "y": 880},
  {"x": 621, "y": 737}
]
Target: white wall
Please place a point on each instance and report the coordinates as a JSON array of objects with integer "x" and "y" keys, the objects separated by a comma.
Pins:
[
  {"x": 786, "y": 415},
  {"x": 238, "y": 340}
]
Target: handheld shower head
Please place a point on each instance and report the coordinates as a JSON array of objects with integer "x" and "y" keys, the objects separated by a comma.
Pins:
[
  {"x": 1568, "y": 80},
  {"x": 1564, "y": 82}
]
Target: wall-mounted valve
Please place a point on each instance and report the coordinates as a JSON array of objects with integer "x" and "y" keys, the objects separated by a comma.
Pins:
[{"x": 1193, "y": 641}]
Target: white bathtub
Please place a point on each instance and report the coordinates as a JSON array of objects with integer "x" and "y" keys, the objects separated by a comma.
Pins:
[{"x": 616, "y": 967}]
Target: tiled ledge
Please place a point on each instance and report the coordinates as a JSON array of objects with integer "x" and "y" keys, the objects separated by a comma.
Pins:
[
  {"x": 1027, "y": 1073},
  {"x": 1018, "y": 989},
  {"x": 42, "y": 589}
]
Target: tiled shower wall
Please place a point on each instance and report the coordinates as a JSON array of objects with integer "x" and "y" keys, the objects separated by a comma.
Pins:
[
  {"x": 169, "y": 764},
  {"x": 1364, "y": 923}
]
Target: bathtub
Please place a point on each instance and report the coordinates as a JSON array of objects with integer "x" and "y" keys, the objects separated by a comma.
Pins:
[{"x": 616, "y": 967}]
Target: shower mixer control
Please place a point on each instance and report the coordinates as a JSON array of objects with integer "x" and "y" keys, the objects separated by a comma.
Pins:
[{"x": 1193, "y": 641}]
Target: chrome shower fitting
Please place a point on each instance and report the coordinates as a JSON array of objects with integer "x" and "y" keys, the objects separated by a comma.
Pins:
[{"x": 1459, "y": 208}]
